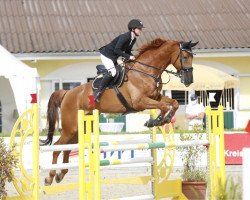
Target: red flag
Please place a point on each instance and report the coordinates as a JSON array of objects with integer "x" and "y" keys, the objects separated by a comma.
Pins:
[
  {"x": 34, "y": 98},
  {"x": 91, "y": 101},
  {"x": 247, "y": 129}
]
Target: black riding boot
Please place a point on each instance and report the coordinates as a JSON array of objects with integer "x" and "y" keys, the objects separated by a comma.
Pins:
[{"x": 104, "y": 83}]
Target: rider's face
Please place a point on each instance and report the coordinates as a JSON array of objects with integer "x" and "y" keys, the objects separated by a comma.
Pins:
[{"x": 138, "y": 31}]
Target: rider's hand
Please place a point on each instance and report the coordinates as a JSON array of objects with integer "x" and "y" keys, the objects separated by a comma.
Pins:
[{"x": 131, "y": 58}]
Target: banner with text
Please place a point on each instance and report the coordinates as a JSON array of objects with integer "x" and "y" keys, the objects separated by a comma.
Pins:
[{"x": 234, "y": 143}]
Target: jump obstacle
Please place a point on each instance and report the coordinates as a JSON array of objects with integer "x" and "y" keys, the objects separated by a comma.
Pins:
[{"x": 28, "y": 186}]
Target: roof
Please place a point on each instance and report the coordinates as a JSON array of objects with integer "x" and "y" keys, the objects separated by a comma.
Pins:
[{"x": 45, "y": 26}]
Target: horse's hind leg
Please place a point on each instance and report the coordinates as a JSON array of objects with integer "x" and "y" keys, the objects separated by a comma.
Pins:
[
  {"x": 48, "y": 180},
  {"x": 60, "y": 176}
]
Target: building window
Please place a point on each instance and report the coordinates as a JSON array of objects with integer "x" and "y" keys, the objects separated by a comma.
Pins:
[
  {"x": 226, "y": 100},
  {"x": 180, "y": 96},
  {"x": 66, "y": 85}
]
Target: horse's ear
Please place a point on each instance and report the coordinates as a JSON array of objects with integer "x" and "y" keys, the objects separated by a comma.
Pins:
[
  {"x": 193, "y": 44},
  {"x": 186, "y": 45}
]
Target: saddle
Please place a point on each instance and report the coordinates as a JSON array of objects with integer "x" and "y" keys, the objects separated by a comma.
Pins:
[{"x": 115, "y": 83}]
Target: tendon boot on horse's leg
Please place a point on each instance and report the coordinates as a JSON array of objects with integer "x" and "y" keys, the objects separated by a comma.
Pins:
[
  {"x": 168, "y": 117},
  {"x": 104, "y": 83},
  {"x": 48, "y": 180},
  {"x": 59, "y": 176},
  {"x": 154, "y": 122}
]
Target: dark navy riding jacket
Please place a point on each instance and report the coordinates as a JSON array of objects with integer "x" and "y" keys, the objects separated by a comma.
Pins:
[{"x": 120, "y": 46}]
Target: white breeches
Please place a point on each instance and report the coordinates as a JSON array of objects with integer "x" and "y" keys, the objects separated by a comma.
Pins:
[{"x": 109, "y": 65}]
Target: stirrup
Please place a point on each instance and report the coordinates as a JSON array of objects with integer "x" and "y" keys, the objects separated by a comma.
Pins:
[{"x": 97, "y": 96}]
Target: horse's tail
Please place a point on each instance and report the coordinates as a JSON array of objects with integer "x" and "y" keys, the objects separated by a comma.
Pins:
[{"x": 55, "y": 101}]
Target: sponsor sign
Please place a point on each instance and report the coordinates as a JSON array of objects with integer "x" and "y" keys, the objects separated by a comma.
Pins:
[{"x": 234, "y": 143}]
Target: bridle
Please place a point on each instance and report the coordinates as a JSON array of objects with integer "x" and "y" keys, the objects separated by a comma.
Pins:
[{"x": 157, "y": 79}]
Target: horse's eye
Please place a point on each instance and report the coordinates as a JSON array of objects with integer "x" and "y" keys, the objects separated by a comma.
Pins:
[{"x": 185, "y": 58}]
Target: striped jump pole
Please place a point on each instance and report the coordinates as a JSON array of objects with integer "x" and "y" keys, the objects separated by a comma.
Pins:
[{"x": 156, "y": 145}]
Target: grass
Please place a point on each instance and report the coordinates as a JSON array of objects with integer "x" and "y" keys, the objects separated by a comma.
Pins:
[
  {"x": 4, "y": 134},
  {"x": 230, "y": 190}
]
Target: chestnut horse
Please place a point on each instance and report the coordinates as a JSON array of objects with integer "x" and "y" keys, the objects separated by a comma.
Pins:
[{"x": 141, "y": 89}]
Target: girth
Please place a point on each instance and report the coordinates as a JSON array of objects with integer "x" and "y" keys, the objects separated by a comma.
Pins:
[
  {"x": 124, "y": 102},
  {"x": 114, "y": 84}
]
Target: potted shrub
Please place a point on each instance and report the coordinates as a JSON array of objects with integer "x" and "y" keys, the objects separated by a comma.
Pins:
[
  {"x": 111, "y": 117},
  {"x": 193, "y": 175},
  {"x": 113, "y": 123},
  {"x": 8, "y": 161}
]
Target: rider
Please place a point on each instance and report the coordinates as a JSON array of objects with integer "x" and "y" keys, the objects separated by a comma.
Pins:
[{"x": 120, "y": 46}]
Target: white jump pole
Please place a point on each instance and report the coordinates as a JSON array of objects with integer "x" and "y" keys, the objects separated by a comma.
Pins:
[
  {"x": 245, "y": 171},
  {"x": 63, "y": 147}
]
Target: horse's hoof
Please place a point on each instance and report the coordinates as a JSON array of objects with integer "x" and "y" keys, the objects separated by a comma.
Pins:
[
  {"x": 149, "y": 123},
  {"x": 46, "y": 182},
  {"x": 57, "y": 178},
  {"x": 153, "y": 122}
]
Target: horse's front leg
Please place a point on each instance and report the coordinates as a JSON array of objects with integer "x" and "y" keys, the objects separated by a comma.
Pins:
[
  {"x": 167, "y": 106},
  {"x": 173, "y": 106},
  {"x": 148, "y": 103}
]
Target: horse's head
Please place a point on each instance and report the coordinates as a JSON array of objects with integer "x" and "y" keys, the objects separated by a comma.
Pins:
[{"x": 183, "y": 62}]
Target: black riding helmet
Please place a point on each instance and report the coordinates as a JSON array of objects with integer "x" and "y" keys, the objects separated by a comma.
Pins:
[{"x": 135, "y": 23}]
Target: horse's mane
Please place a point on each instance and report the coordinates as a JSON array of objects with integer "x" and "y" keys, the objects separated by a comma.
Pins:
[{"x": 151, "y": 45}]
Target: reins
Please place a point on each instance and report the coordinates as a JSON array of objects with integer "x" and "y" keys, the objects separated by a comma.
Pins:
[
  {"x": 163, "y": 70},
  {"x": 151, "y": 75}
]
